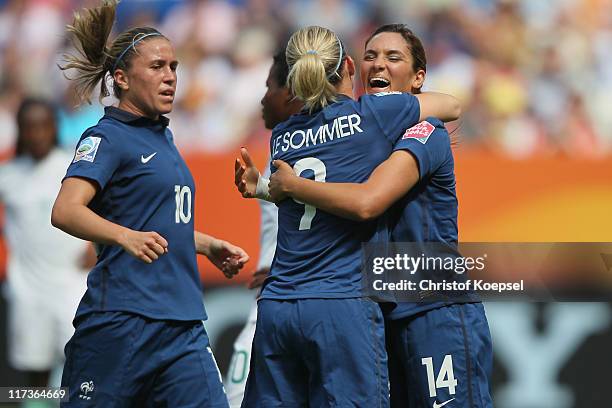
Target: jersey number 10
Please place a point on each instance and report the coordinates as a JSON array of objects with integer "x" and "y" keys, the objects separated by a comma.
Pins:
[
  {"x": 320, "y": 172},
  {"x": 183, "y": 204}
]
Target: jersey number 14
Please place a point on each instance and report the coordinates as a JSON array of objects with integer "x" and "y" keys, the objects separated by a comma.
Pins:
[{"x": 445, "y": 378}]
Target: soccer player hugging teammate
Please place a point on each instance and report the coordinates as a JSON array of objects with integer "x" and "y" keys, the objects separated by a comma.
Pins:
[
  {"x": 440, "y": 352},
  {"x": 277, "y": 105},
  {"x": 139, "y": 339},
  {"x": 318, "y": 341}
]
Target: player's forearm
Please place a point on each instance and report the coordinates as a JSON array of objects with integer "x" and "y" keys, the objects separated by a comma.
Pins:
[
  {"x": 347, "y": 200},
  {"x": 391, "y": 180},
  {"x": 203, "y": 243},
  {"x": 442, "y": 106},
  {"x": 80, "y": 221}
]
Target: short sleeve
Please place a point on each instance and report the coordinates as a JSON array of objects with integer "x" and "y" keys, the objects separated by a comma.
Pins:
[
  {"x": 394, "y": 111},
  {"x": 429, "y": 142},
  {"x": 96, "y": 158}
]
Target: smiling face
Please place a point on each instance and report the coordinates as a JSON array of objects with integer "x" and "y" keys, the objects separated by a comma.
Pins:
[
  {"x": 387, "y": 65},
  {"x": 149, "y": 83}
]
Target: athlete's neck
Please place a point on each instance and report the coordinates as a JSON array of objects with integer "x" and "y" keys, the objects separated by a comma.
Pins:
[
  {"x": 128, "y": 106},
  {"x": 345, "y": 87}
]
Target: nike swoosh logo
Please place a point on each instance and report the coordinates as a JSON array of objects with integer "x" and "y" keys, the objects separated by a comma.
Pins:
[
  {"x": 145, "y": 160},
  {"x": 436, "y": 405}
]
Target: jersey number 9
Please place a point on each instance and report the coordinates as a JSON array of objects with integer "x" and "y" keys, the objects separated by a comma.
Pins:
[{"x": 320, "y": 172}]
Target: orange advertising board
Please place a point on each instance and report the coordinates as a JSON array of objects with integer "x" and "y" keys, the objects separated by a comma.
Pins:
[{"x": 548, "y": 199}]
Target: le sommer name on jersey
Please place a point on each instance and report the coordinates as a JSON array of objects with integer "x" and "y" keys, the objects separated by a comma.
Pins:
[{"x": 342, "y": 126}]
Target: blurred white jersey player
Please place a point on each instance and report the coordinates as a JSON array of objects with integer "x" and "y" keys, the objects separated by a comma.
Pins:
[
  {"x": 277, "y": 105},
  {"x": 46, "y": 275},
  {"x": 240, "y": 363}
]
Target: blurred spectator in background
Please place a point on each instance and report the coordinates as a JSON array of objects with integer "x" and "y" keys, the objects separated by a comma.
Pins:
[
  {"x": 514, "y": 63},
  {"x": 46, "y": 268}
]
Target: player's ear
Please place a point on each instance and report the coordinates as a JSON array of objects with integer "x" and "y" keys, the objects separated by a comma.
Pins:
[
  {"x": 294, "y": 103},
  {"x": 121, "y": 79},
  {"x": 419, "y": 79},
  {"x": 287, "y": 95},
  {"x": 350, "y": 65}
]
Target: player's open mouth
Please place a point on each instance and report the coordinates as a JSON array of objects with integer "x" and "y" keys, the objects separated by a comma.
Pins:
[
  {"x": 168, "y": 94},
  {"x": 379, "y": 84}
]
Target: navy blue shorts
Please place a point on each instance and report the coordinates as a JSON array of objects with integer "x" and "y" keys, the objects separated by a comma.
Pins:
[
  {"x": 441, "y": 358},
  {"x": 120, "y": 359},
  {"x": 318, "y": 353}
]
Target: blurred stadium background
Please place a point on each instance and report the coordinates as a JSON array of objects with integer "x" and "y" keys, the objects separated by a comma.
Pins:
[{"x": 533, "y": 163}]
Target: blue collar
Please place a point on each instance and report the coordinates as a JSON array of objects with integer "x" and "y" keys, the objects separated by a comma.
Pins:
[
  {"x": 135, "y": 120},
  {"x": 339, "y": 98}
]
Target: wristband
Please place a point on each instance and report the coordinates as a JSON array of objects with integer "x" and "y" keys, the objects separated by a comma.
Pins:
[{"x": 262, "y": 191}]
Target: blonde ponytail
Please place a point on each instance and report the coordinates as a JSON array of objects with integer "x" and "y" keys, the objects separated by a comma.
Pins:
[{"x": 314, "y": 55}]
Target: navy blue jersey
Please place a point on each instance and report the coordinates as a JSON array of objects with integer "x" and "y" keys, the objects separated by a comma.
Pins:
[
  {"x": 318, "y": 255},
  {"x": 428, "y": 212},
  {"x": 146, "y": 186}
]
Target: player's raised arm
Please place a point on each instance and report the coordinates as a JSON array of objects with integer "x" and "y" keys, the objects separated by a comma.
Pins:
[
  {"x": 419, "y": 153},
  {"x": 334, "y": 199},
  {"x": 72, "y": 215},
  {"x": 442, "y": 106},
  {"x": 355, "y": 201},
  {"x": 246, "y": 175}
]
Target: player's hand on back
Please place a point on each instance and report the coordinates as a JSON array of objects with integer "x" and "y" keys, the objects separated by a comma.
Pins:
[
  {"x": 259, "y": 276},
  {"x": 281, "y": 181},
  {"x": 246, "y": 174},
  {"x": 146, "y": 246},
  {"x": 228, "y": 258}
]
